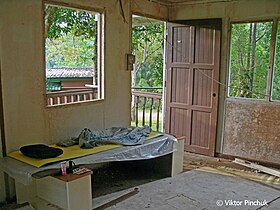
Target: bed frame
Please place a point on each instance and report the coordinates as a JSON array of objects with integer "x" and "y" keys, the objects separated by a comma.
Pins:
[{"x": 47, "y": 191}]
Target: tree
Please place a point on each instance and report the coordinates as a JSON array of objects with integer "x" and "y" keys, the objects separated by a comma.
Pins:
[
  {"x": 71, "y": 38},
  {"x": 276, "y": 80},
  {"x": 69, "y": 51},
  {"x": 147, "y": 45},
  {"x": 60, "y": 21},
  {"x": 249, "y": 59}
]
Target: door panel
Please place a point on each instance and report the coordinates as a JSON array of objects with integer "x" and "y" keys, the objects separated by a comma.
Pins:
[
  {"x": 200, "y": 129},
  {"x": 202, "y": 91},
  {"x": 204, "y": 45},
  {"x": 191, "y": 91},
  {"x": 180, "y": 89},
  {"x": 179, "y": 121},
  {"x": 181, "y": 45}
]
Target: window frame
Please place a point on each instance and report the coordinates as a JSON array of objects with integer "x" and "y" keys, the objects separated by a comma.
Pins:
[
  {"x": 100, "y": 49},
  {"x": 271, "y": 59}
]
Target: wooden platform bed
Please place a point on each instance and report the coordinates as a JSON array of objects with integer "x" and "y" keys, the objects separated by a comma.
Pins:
[{"x": 43, "y": 189}]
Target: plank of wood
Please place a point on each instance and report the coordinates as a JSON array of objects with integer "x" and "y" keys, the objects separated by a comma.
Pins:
[{"x": 258, "y": 167}]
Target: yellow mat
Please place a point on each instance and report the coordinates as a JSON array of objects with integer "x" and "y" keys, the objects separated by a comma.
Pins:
[{"x": 68, "y": 153}]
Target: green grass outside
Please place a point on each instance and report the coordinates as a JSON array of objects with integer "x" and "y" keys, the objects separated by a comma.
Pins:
[{"x": 147, "y": 120}]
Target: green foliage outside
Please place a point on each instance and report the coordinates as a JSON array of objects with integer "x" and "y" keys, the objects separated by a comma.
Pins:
[
  {"x": 60, "y": 21},
  {"x": 69, "y": 51},
  {"x": 250, "y": 43},
  {"x": 147, "y": 46},
  {"x": 147, "y": 120},
  {"x": 70, "y": 37},
  {"x": 276, "y": 79},
  {"x": 250, "y": 53},
  {"x": 71, "y": 42}
]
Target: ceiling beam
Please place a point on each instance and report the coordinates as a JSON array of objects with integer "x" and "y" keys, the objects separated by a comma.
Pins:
[{"x": 188, "y": 2}]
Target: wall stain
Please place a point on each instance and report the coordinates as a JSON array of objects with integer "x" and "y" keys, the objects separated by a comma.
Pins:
[{"x": 252, "y": 130}]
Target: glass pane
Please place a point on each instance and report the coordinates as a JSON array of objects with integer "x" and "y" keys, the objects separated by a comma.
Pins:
[
  {"x": 276, "y": 78},
  {"x": 250, "y": 44}
]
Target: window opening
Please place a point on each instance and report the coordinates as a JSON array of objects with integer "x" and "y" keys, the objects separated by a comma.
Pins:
[
  {"x": 73, "y": 55},
  {"x": 276, "y": 76},
  {"x": 249, "y": 59},
  {"x": 147, "y": 75}
]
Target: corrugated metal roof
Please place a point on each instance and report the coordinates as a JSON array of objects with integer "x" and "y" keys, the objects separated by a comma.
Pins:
[{"x": 69, "y": 73}]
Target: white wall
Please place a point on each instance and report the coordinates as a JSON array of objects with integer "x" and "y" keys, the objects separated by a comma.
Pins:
[
  {"x": 27, "y": 119},
  {"x": 241, "y": 10}
]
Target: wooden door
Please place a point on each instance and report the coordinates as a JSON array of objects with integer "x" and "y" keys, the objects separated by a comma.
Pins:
[{"x": 193, "y": 58}]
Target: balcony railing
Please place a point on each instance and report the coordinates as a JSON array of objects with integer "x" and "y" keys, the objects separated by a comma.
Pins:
[
  {"x": 70, "y": 96},
  {"x": 146, "y": 109}
]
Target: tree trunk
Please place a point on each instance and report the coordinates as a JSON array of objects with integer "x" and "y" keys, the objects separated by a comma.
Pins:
[
  {"x": 133, "y": 84},
  {"x": 248, "y": 86},
  {"x": 241, "y": 68},
  {"x": 253, "y": 58},
  {"x": 95, "y": 61},
  {"x": 49, "y": 16}
]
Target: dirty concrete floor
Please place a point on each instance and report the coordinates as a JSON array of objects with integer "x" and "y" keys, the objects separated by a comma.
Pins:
[
  {"x": 198, "y": 190},
  {"x": 205, "y": 182},
  {"x": 120, "y": 176},
  {"x": 228, "y": 167}
]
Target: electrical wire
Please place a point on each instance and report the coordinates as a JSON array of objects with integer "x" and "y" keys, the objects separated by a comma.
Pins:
[{"x": 256, "y": 93}]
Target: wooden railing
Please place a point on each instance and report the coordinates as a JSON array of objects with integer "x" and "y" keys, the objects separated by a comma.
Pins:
[
  {"x": 70, "y": 96},
  {"x": 150, "y": 101}
]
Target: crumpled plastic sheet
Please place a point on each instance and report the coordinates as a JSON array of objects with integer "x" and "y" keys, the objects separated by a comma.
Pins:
[{"x": 156, "y": 147}]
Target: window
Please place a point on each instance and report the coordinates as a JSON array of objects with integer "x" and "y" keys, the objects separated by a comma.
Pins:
[
  {"x": 255, "y": 60},
  {"x": 249, "y": 59},
  {"x": 276, "y": 76},
  {"x": 73, "y": 55}
]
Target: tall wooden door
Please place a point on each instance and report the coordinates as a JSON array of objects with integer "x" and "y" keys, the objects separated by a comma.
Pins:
[{"x": 193, "y": 58}]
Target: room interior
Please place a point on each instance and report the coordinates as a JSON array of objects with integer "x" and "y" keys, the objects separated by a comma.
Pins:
[{"x": 245, "y": 128}]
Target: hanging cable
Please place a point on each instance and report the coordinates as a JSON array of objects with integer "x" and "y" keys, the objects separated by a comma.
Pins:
[
  {"x": 201, "y": 71},
  {"x": 122, "y": 11}
]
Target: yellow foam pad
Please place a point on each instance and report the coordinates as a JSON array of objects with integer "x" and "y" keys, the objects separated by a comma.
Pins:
[{"x": 68, "y": 153}]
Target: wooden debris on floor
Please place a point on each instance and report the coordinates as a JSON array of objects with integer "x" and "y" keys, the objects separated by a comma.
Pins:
[{"x": 258, "y": 167}]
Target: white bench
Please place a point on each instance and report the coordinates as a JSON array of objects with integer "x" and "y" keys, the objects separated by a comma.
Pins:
[{"x": 74, "y": 192}]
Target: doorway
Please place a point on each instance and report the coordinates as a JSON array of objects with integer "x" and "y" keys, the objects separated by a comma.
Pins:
[{"x": 192, "y": 72}]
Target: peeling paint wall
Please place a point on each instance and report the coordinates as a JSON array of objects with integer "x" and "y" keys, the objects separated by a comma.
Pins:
[
  {"x": 241, "y": 10},
  {"x": 27, "y": 119},
  {"x": 252, "y": 130}
]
